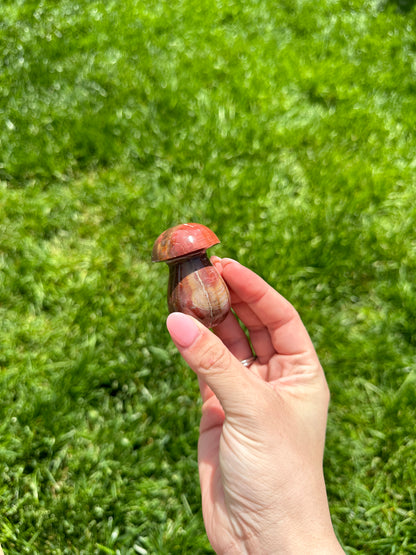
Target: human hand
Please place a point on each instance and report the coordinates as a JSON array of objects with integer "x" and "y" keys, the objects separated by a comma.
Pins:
[{"x": 262, "y": 430}]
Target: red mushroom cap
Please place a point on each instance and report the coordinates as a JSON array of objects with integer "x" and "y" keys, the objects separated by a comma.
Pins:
[{"x": 182, "y": 240}]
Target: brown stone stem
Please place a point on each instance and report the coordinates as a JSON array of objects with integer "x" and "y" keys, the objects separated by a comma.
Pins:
[{"x": 196, "y": 288}]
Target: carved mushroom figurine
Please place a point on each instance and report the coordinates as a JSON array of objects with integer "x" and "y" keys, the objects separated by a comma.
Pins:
[{"x": 195, "y": 286}]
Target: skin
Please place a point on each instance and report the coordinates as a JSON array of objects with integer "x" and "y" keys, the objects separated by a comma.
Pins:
[{"x": 262, "y": 431}]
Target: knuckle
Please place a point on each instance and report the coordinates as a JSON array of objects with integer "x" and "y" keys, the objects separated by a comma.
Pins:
[
  {"x": 214, "y": 358},
  {"x": 327, "y": 393},
  {"x": 294, "y": 315}
]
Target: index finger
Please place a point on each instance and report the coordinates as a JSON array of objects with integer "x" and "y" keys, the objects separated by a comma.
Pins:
[{"x": 286, "y": 329}]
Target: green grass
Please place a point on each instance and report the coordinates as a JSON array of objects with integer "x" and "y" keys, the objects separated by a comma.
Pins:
[{"x": 287, "y": 127}]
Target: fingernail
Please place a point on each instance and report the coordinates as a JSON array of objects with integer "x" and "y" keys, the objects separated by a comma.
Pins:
[{"x": 182, "y": 329}]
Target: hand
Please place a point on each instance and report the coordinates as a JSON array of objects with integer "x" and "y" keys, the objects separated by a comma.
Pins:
[{"x": 262, "y": 430}]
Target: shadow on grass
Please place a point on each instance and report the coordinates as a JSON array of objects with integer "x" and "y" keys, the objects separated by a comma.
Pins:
[{"x": 403, "y": 6}]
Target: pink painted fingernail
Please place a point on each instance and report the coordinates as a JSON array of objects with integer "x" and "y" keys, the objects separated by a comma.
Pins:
[{"x": 182, "y": 329}]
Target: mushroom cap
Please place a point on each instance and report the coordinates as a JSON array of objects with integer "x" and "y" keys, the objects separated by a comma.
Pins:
[{"x": 182, "y": 240}]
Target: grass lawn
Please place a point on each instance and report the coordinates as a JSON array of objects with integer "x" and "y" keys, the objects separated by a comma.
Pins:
[{"x": 286, "y": 127}]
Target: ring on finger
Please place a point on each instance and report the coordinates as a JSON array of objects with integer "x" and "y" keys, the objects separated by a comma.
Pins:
[{"x": 248, "y": 361}]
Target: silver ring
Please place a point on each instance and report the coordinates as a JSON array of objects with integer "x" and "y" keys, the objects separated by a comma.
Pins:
[{"x": 248, "y": 361}]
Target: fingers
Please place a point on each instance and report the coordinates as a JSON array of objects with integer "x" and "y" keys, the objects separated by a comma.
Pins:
[
  {"x": 259, "y": 334},
  {"x": 272, "y": 321},
  {"x": 233, "y": 337},
  {"x": 214, "y": 364}
]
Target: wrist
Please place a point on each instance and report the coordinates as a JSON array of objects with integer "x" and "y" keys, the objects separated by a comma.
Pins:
[
  {"x": 312, "y": 545},
  {"x": 324, "y": 544},
  {"x": 307, "y": 528}
]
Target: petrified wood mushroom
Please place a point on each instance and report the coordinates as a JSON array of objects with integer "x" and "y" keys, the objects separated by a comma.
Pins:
[{"x": 195, "y": 286}]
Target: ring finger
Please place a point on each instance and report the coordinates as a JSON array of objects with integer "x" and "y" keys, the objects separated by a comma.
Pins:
[{"x": 233, "y": 337}]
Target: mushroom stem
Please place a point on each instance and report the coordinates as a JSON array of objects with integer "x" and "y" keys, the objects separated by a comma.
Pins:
[{"x": 196, "y": 288}]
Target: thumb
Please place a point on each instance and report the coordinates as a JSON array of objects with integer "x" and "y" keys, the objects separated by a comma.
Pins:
[{"x": 207, "y": 355}]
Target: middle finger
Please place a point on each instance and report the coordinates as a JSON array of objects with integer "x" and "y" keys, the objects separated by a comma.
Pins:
[
  {"x": 233, "y": 337},
  {"x": 259, "y": 334}
]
